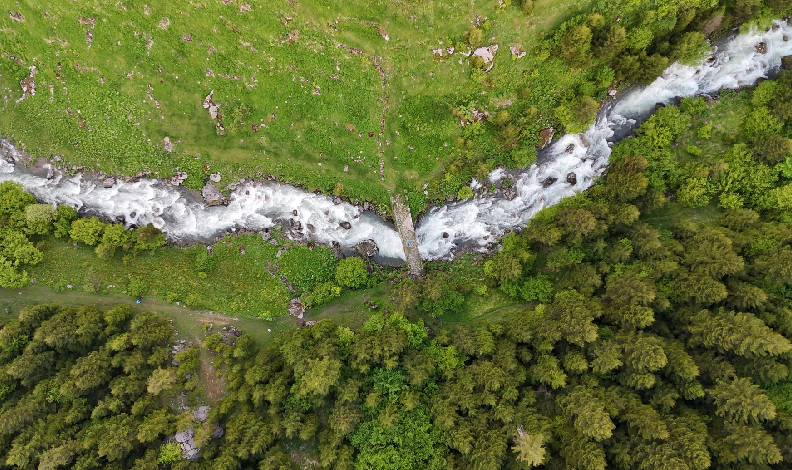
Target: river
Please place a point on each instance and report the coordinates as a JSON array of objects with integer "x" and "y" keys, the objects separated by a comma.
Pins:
[{"x": 472, "y": 223}]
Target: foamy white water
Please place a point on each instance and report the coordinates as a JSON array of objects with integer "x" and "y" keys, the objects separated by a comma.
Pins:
[
  {"x": 483, "y": 220},
  {"x": 474, "y": 222}
]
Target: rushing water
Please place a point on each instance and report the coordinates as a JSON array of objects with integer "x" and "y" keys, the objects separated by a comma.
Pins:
[{"x": 474, "y": 222}]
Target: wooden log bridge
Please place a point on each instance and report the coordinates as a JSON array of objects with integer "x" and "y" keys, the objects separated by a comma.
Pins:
[{"x": 404, "y": 225}]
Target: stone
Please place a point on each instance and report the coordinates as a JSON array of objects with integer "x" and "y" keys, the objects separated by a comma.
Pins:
[
  {"x": 201, "y": 413},
  {"x": 445, "y": 235},
  {"x": 296, "y": 308},
  {"x": 509, "y": 193},
  {"x": 168, "y": 145},
  {"x": 658, "y": 106},
  {"x": 570, "y": 148},
  {"x": 211, "y": 194},
  {"x": 761, "y": 48},
  {"x": 218, "y": 432},
  {"x": 345, "y": 225},
  {"x": 184, "y": 436},
  {"x": 571, "y": 178},
  {"x": 178, "y": 178},
  {"x": 108, "y": 183},
  {"x": 545, "y": 137},
  {"x": 786, "y": 62},
  {"x": 310, "y": 228},
  {"x": 337, "y": 200},
  {"x": 215, "y": 177},
  {"x": 367, "y": 248},
  {"x": 294, "y": 212},
  {"x": 547, "y": 182}
]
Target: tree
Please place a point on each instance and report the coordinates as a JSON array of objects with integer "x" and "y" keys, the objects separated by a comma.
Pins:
[
  {"x": 710, "y": 252},
  {"x": 351, "y": 272},
  {"x": 577, "y": 114},
  {"x": 39, "y": 218},
  {"x": 576, "y": 44},
  {"x": 625, "y": 178},
  {"x": 772, "y": 148},
  {"x": 691, "y": 48},
  {"x": 149, "y": 238},
  {"x": 87, "y": 230},
  {"x": 529, "y": 448},
  {"x": 64, "y": 215},
  {"x": 614, "y": 43},
  {"x": 13, "y": 199},
  {"x": 574, "y": 315},
  {"x": 740, "y": 333},
  {"x": 742, "y": 401}
]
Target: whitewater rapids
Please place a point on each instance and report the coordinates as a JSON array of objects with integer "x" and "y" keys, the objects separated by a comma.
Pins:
[{"x": 470, "y": 223}]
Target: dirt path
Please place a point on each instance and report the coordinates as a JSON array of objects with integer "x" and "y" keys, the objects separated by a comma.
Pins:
[{"x": 385, "y": 107}]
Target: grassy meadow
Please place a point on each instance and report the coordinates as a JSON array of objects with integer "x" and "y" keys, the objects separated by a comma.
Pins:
[{"x": 311, "y": 92}]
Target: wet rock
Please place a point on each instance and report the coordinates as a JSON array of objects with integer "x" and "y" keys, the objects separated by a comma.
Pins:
[
  {"x": 545, "y": 137},
  {"x": 132, "y": 215},
  {"x": 310, "y": 228},
  {"x": 659, "y": 106},
  {"x": 547, "y": 182},
  {"x": 761, "y": 48},
  {"x": 345, "y": 225},
  {"x": 296, "y": 308},
  {"x": 366, "y": 206},
  {"x": 786, "y": 62},
  {"x": 337, "y": 200},
  {"x": 367, "y": 248},
  {"x": 108, "y": 183},
  {"x": 509, "y": 193},
  {"x": 178, "y": 178},
  {"x": 571, "y": 178},
  {"x": 294, "y": 212},
  {"x": 570, "y": 148},
  {"x": 120, "y": 219},
  {"x": 50, "y": 173},
  {"x": 445, "y": 235},
  {"x": 211, "y": 194},
  {"x": 295, "y": 224}
]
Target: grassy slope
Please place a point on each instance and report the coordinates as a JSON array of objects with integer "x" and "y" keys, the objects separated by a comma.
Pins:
[{"x": 139, "y": 80}]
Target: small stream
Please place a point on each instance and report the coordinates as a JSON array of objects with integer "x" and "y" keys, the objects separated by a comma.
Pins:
[{"x": 472, "y": 223}]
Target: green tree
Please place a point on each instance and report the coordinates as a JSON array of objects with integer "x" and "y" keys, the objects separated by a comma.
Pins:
[
  {"x": 351, "y": 272},
  {"x": 149, "y": 238},
  {"x": 39, "y": 218},
  {"x": 742, "y": 401},
  {"x": 691, "y": 48},
  {"x": 13, "y": 199},
  {"x": 576, "y": 44},
  {"x": 64, "y": 216},
  {"x": 87, "y": 230},
  {"x": 615, "y": 42}
]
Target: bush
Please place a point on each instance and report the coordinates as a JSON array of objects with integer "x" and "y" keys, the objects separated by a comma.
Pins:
[
  {"x": 475, "y": 37},
  {"x": 169, "y": 454},
  {"x": 64, "y": 216},
  {"x": 87, "y": 230},
  {"x": 137, "y": 287},
  {"x": 39, "y": 218},
  {"x": 351, "y": 273},
  {"x": 705, "y": 131},
  {"x": 691, "y": 48},
  {"x": 694, "y": 150},
  {"x": 465, "y": 193},
  {"x": 527, "y": 6},
  {"x": 322, "y": 294}
]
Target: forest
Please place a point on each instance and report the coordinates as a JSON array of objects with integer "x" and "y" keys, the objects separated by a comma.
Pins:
[{"x": 653, "y": 332}]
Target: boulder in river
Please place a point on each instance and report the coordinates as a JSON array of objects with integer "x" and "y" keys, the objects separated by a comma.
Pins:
[
  {"x": 345, "y": 225},
  {"x": 445, "y": 235},
  {"x": 547, "y": 182},
  {"x": 509, "y": 193},
  {"x": 367, "y": 248},
  {"x": 570, "y": 148},
  {"x": 108, "y": 182},
  {"x": 761, "y": 48},
  {"x": 571, "y": 178}
]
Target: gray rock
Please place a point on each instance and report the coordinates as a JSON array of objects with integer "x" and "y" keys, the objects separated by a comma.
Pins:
[
  {"x": 571, "y": 178},
  {"x": 178, "y": 178},
  {"x": 570, "y": 148},
  {"x": 761, "y": 48},
  {"x": 215, "y": 177},
  {"x": 108, "y": 183},
  {"x": 445, "y": 235},
  {"x": 345, "y": 225},
  {"x": 211, "y": 194},
  {"x": 296, "y": 308},
  {"x": 218, "y": 432},
  {"x": 547, "y": 182},
  {"x": 185, "y": 436},
  {"x": 509, "y": 193},
  {"x": 201, "y": 413},
  {"x": 310, "y": 228},
  {"x": 337, "y": 200},
  {"x": 367, "y": 248}
]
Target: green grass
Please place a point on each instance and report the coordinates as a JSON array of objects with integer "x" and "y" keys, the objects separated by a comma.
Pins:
[{"x": 108, "y": 104}]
